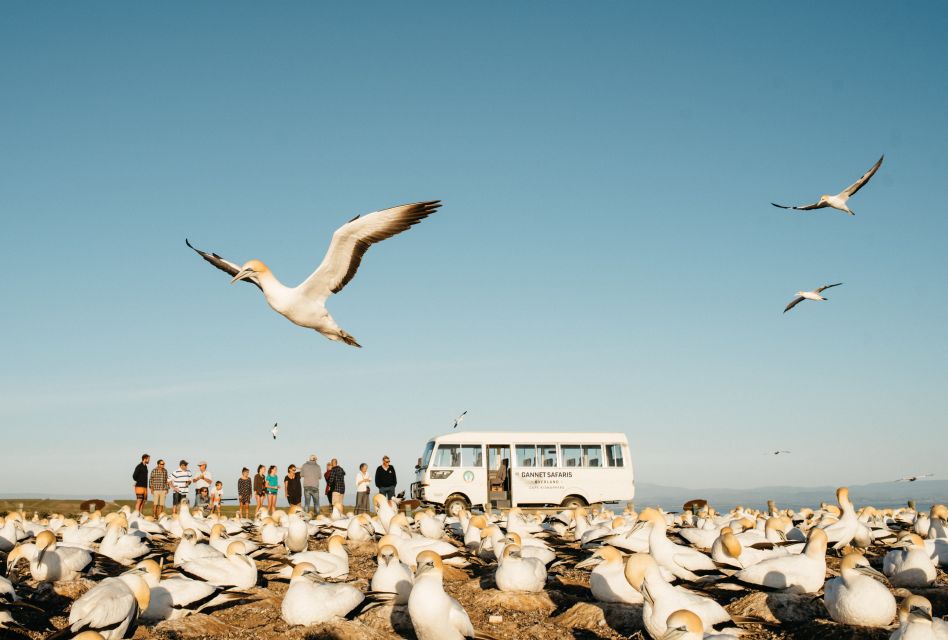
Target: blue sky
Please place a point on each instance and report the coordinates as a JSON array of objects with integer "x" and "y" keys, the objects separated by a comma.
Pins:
[{"x": 606, "y": 257}]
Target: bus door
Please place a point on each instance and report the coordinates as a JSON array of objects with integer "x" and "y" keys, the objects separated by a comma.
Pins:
[{"x": 498, "y": 475}]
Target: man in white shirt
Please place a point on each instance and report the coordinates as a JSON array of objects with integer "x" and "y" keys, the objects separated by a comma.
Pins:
[{"x": 202, "y": 479}]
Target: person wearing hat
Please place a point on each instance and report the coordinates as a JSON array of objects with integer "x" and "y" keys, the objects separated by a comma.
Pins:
[
  {"x": 179, "y": 480},
  {"x": 202, "y": 480},
  {"x": 311, "y": 472}
]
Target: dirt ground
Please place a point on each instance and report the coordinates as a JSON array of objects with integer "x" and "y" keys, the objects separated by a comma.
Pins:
[{"x": 565, "y": 610}]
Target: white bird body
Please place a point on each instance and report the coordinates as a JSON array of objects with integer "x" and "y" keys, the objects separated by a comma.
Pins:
[
  {"x": 297, "y": 534},
  {"x": 122, "y": 547},
  {"x": 518, "y": 574},
  {"x": 233, "y": 570},
  {"x": 309, "y": 602},
  {"x": 333, "y": 563},
  {"x": 434, "y": 614},
  {"x": 802, "y": 573},
  {"x": 392, "y": 575},
  {"x": 305, "y": 305},
  {"x": 111, "y": 607},
  {"x": 916, "y": 622},
  {"x": 810, "y": 295},
  {"x": 839, "y": 201},
  {"x": 607, "y": 580},
  {"x": 910, "y": 566},
  {"x": 50, "y": 562},
  {"x": 856, "y": 598},
  {"x": 680, "y": 561},
  {"x": 188, "y": 550}
]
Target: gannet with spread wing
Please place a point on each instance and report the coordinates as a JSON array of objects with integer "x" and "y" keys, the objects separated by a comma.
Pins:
[
  {"x": 839, "y": 200},
  {"x": 305, "y": 305}
]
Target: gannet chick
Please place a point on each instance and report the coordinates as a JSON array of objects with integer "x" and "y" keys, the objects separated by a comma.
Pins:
[
  {"x": 910, "y": 566},
  {"x": 434, "y": 614},
  {"x": 111, "y": 608},
  {"x": 607, "y": 580},
  {"x": 856, "y": 597},
  {"x": 392, "y": 575},
  {"x": 308, "y": 601},
  {"x": 801, "y": 573},
  {"x": 662, "y": 599},
  {"x": 686, "y": 625},
  {"x": 518, "y": 574}
]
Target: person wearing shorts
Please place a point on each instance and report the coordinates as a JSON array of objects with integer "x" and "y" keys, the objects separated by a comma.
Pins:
[
  {"x": 158, "y": 483},
  {"x": 140, "y": 476},
  {"x": 244, "y": 491}
]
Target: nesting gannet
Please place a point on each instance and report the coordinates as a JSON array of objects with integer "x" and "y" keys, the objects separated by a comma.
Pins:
[
  {"x": 189, "y": 549},
  {"x": 679, "y": 560},
  {"x": 803, "y": 573},
  {"x": 233, "y": 570},
  {"x": 310, "y": 601},
  {"x": 52, "y": 563},
  {"x": 857, "y": 597},
  {"x": 686, "y": 625},
  {"x": 839, "y": 200},
  {"x": 111, "y": 608},
  {"x": 332, "y": 563},
  {"x": 662, "y": 599},
  {"x": 459, "y": 419},
  {"x": 911, "y": 565},
  {"x": 607, "y": 580},
  {"x": 304, "y": 305},
  {"x": 518, "y": 574},
  {"x": 434, "y": 614},
  {"x": 916, "y": 621},
  {"x": 392, "y": 575},
  {"x": 176, "y": 597},
  {"x": 810, "y": 295}
]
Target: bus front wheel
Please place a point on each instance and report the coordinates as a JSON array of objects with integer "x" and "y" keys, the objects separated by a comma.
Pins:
[
  {"x": 454, "y": 504},
  {"x": 572, "y": 502}
]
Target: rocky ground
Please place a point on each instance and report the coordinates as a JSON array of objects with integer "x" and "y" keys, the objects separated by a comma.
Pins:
[{"x": 564, "y": 610}]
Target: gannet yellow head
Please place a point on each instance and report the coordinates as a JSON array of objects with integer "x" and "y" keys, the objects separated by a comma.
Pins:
[
  {"x": 378, "y": 498},
  {"x": 514, "y": 538},
  {"x": 150, "y": 567},
  {"x": 141, "y": 590},
  {"x": 217, "y": 531},
  {"x": 511, "y": 550},
  {"x": 915, "y": 608},
  {"x": 89, "y": 635},
  {"x": 604, "y": 554},
  {"x": 635, "y": 568},
  {"x": 683, "y": 623},
  {"x": 250, "y": 269},
  {"x": 732, "y": 546},
  {"x": 236, "y": 548},
  {"x": 429, "y": 562},
  {"x": 387, "y": 555},
  {"x": 301, "y": 569},
  {"x": 45, "y": 540},
  {"x": 478, "y": 521},
  {"x": 816, "y": 542},
  {"x": 335, "y": 543},
  {"x": 824, "y": 198}
]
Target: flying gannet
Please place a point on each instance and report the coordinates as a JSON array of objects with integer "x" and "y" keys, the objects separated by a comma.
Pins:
[
  {"x": 810, "y": 295},
  {"x": 274, "y": 431},
  {"x": 459, "y": 419},
  {"x": 914, "y": 478},
  {"x": 839, "y": 200},
  {"x": 305, "y": 304}
]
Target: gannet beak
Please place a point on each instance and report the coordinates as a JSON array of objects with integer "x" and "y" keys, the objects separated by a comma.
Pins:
[
  {"x": 922, "y": 612},
  {"x": 242, "y": 275},
  {"x": 869, "y": 571},
  {"x": 589, "y": 562}
]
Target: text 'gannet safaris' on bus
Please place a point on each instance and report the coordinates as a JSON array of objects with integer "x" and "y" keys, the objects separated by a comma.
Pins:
[
  {"x": 305, "y": 304},
  {"x": 839, "y": 200}
]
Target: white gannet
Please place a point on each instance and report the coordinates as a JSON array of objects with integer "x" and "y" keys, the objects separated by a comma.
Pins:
[
  {"x": 839, "y": 200},
  {"x": 911, "y": 565},
  {"x": 518, "y": 574},
  {"x": 810, "y": 295},
  {"x": 856, "y": 597},
  {"x": 607, "y": 580},
  {"x": 332, "y": 563},
  {"x": 297, "y": 532},
  {"x": 392, "y": 575},
  {"x": 434, "y": 614},
  {"x": 121, "y": 546},
  {"x": 274, "y": 431},
  {"x": 429, "y": 525},
  {"x": 916, "y": 621},
  {"x": 914, "y": 478},
  {"x": 309, "y": 601},
  {"x": 111, "y": 608},
  {"x": 305, "y": 304},
  {"x": 679, "y": 560},
  {"x": 686, "y": 625},
  {"x": 53, "y": 563},
  {"x": 459, "y": 419},
  {"x": 802, "y": 573},
  {"x": 662, "y": 599},
  {"x": 233, "y": 570}
]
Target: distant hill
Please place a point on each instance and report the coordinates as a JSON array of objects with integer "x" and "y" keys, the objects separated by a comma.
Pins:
[{"x": 880, "y": 494}]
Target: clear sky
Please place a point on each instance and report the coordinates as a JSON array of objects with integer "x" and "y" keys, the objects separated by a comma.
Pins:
[{"x": 606, "y": 257}]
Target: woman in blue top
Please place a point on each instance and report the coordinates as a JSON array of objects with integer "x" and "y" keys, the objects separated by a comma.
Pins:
[{"x": 273, "y": 486}]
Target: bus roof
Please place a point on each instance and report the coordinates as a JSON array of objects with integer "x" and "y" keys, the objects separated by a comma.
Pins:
[{"x": 529, "y": 437}]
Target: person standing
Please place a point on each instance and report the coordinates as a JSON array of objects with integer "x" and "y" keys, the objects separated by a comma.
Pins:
[
  {"x": 328, "y": 486},
  {"x": 244, "y": 491},
  {"x": 337, "y": 483},
  {"x": 140, "y": 476},
  {"x": 179, "y": 481},
  {"x": 260, "y": 488},
  {"x": 217, "y": 494},
  {"x": 293, "y": 486},
  {"x": 273, "y": 487},
  {"x": 311, "y": 473},
  {"x": 159, "y": 487},
  {"x": 385, "y": 478},
  {"x": 363, "y": 487},
  {"x": 202, "y": 480}
]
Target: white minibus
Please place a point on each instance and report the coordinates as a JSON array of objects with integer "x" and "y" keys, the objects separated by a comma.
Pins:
[{"x": 523, "y": 469}]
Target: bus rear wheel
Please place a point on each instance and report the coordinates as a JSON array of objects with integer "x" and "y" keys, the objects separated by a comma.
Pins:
[
  {"x": 572, "y": 502},
  {"x": 454, "y": 504}
]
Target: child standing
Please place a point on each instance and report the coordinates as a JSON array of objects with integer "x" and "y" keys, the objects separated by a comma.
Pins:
[
  {"x": 216, "y": 495},
  {"x": 244, "y": 489},
  {"x": 273, "y": 486}
]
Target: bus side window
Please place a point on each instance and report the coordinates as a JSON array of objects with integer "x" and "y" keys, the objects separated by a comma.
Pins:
[
  {"x": 592, "y": 455},
  {"x": 572, "y": 455},
  {"x": 614, "y": 455},
  {"x": 472, "y": 455},
  {"x": 447, "y": 455},
  {"x": 546, "y": 455},
  {"x": 525, "y": 455}
]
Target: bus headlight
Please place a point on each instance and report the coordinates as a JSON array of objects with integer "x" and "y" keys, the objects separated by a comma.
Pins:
[{"x": 440, "y": 475}]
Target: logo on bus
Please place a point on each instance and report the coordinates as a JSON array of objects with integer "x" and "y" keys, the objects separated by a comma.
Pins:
[
  {"x": 546, "y": 474},
  {"x": 468, "y": 476}
]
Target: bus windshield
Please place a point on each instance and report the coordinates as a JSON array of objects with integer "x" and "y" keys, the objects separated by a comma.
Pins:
[{"x": 427, "y": 455}]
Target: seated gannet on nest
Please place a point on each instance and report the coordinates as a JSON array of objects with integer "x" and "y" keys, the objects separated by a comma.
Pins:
[{"x": 305, "y": 304}]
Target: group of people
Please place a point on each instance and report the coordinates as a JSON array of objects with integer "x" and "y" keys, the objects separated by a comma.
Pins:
[{"x": 299, "y": 484}]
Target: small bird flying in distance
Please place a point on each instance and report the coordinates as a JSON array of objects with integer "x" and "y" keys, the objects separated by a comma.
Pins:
[
  {"x": 274, "y": 431},
  {"x": 839, "y": 200},
  {"x": 914, "y": 478},
  {"x": 810, "y": 295},
  {"x": 776, "y": 453},
  {"x": 459, "y": 420},
  {"x": 305, "y": 304}
]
